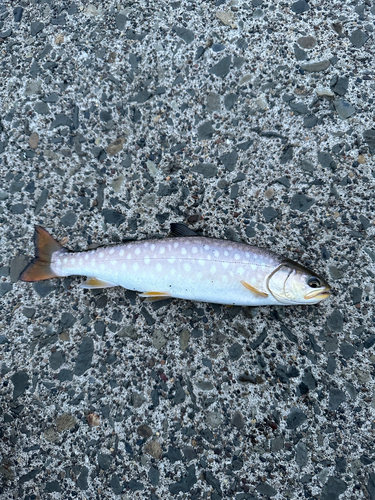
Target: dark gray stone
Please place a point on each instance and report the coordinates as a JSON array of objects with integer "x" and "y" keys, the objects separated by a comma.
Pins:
[
  {"x": 105, "y": 116},
  {"x": 44, "y": 288},
  {"x": 295, "y": 418},
  {"x": 65, "y": 375},
  {"x": 179, "y": 396},
  {"x": 369, "y": 138},
  {"x": 208, "y": 170},
  {"x": 174, "y": 454},
  {"x": 186, "y": 482},
  {"x": 221, "y": 69},
  {"x": 135, "y": 485},
  {"x": 52, "y": 486},
  {"x": 69, "y": 219},
  {"x": 142, "y": 96},
  {"x": 307, "y": 42},
  {"x": 28, "y": 312},
  {"x": 114, "y": 483},
  {"x": 287, "y": 155},
  {"x": 331, "y": 365},
  {"x": 205, "y": 131},
  {"x": 358, "y": 38},
  {"x": 316, "y": 67},
  {"x": 370, "y": 486},
  {"x": 18, "y": 208},
  {"x": 41, "y": 108},
  {"x": 310, "y": 121},
  {"x": 356, "y": 294},
  {"x": 269, "y": 214},
  {"x": 335, "y": 321},
  {"x": 82, "y": 478},
  {"x": 238, "y": 420},
  {"x": 113, "y": 217},
  {"x": 298, "y": 107},
  {"x": 264, "y": 488},
  {"x": 104, "y": 461},
  {"x": 300, "y": 7},
  {"x": 212, "y": 481},
  {"x": 229, "y": 160},
  {"x": 42, "y": 200},
  {"x": 75, "y": 118},
  {"x": 344, "y": 108},
  {"x": 299, "y": 54},
  {"x": 301, "y": 202},
  {"x": 20, "y": 382},
  {"x": 185, "y": 34},
  {"x": 52, "y": 98},
  {"x": 120, "y": 20},
  {"x": 36, "y": 27},
  {"x": 301, "y": 456},
  {"x": 84, "y": 357},
  {"x": 336, "y": 398},
  {"x": 339, "y": 85},
  {"x": 67, "y": 320},
  {"x": 189, "y": 453},
  {"x": 153, "y": 475},
  {"x": 144, "y": 431},
  {"x": 365, "y": 223},
  {"x": 56, "y": 360},
  {"x": 347, "y": 350},
  {"x": 333, "y": 488},
  {"x": 61, "y": 120},
  {"x": 17, "y": 13},
  {"x": 17, "y": 265},
  {"x": 235, "y": 351},
  {"x": 325, "y": 159},
  {"x": 230, "y": 100}
]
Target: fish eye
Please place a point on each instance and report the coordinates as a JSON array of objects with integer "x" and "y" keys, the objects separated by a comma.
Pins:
[{"x": 314, "y": 282}]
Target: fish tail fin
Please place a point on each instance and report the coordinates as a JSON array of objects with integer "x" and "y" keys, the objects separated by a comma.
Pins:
[{"x": 40, "y": 267}]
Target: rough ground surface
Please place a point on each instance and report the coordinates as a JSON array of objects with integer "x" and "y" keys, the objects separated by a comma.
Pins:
[{"x": 250, "y": 120}]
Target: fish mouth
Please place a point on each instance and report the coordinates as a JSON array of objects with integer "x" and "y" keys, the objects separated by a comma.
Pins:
[{"x": 318, "y": 294}]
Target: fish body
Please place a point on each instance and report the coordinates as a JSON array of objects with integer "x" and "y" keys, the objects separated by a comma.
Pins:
[{"x": 188, "y": 267}]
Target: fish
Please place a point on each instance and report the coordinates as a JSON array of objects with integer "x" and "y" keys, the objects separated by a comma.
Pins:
[{"x": 187, "y": 266}]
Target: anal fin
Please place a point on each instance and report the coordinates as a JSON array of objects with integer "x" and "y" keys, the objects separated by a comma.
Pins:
[
  {"x": 154, "y": 296},
  {"x": 92, "y": 283},
  {"x": 253, "y": 289}
]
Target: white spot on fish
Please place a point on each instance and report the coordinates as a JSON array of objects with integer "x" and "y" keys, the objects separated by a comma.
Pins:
[
  {"x": 135, "y": 266},
  {"x": 226, "y": 253},
  {"x": 153, "y": 246},
  {"x": 147, "y": 260},
  {"x": 194, "y": 250},
  {"x": 123, "y": 266},
  {"x": 247, "y": 255},
  {"x": 159, "y": 267},
  {"x": 172, "y": 271},
  {"x": 101, "y": 254},
  {"x": 86, "y": 257},
  {"x": 137, "y": 251},
  {"x": 161, "y": 250},
  {"x": 240, "y": 270},
  {"x": 201, "y": 262},
  {"x": 199, "y": 275},
  {"x": 213, "y": 269},
  {"x": 225, "y": 264},
  {"x": 224, "y": 278},
  {"x": 183, "y": 251},
  {"x": 175, "y": 245},
  {"x": 73, "y": 260},
  {"x": 253, "y": 267},
  {"x": 171, "y": 260},
  {"x": 101, "y": 266},
  {"x": 121, "y": 252},
  {"x": 129, "y": 256},
  {"x": 111, "y": 251},
  {"x": 216, "y": 253},
  {"x": 237, "y": 256},
  {"x": 253, "y": 280},
  {"x": 187, "y": 267}
]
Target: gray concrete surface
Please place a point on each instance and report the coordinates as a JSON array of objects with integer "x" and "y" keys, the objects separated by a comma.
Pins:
[{"x": 249, "y": 120}]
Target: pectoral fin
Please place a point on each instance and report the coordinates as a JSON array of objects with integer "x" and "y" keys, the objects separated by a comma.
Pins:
[
  {"x": 253, "y": 290},
  {"x": 154, "y": 296},
  {"x": 92, "y": 283}
]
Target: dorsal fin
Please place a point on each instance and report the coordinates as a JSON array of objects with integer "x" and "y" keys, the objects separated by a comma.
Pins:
[{"x": 180, "y": 229}]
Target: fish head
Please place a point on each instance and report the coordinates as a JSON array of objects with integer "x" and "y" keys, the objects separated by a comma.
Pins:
[{"x": 291, "y": 283}]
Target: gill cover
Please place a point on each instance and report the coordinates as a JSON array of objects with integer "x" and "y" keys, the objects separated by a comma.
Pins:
[{"x": 289, "y": 284}]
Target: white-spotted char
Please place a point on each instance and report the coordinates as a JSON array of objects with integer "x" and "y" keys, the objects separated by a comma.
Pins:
[{"x": 188, "y": 267}]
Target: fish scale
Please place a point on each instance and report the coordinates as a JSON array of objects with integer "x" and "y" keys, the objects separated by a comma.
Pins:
[{"x": 188, "y": 267}]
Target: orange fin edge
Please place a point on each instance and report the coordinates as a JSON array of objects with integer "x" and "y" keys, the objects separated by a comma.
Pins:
[
  {"x": 253, "y": 290},
  {"x": 40, "y": 267},
  {"x": 93, "y": 283},
  {"x": 154, "y": 296}
]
